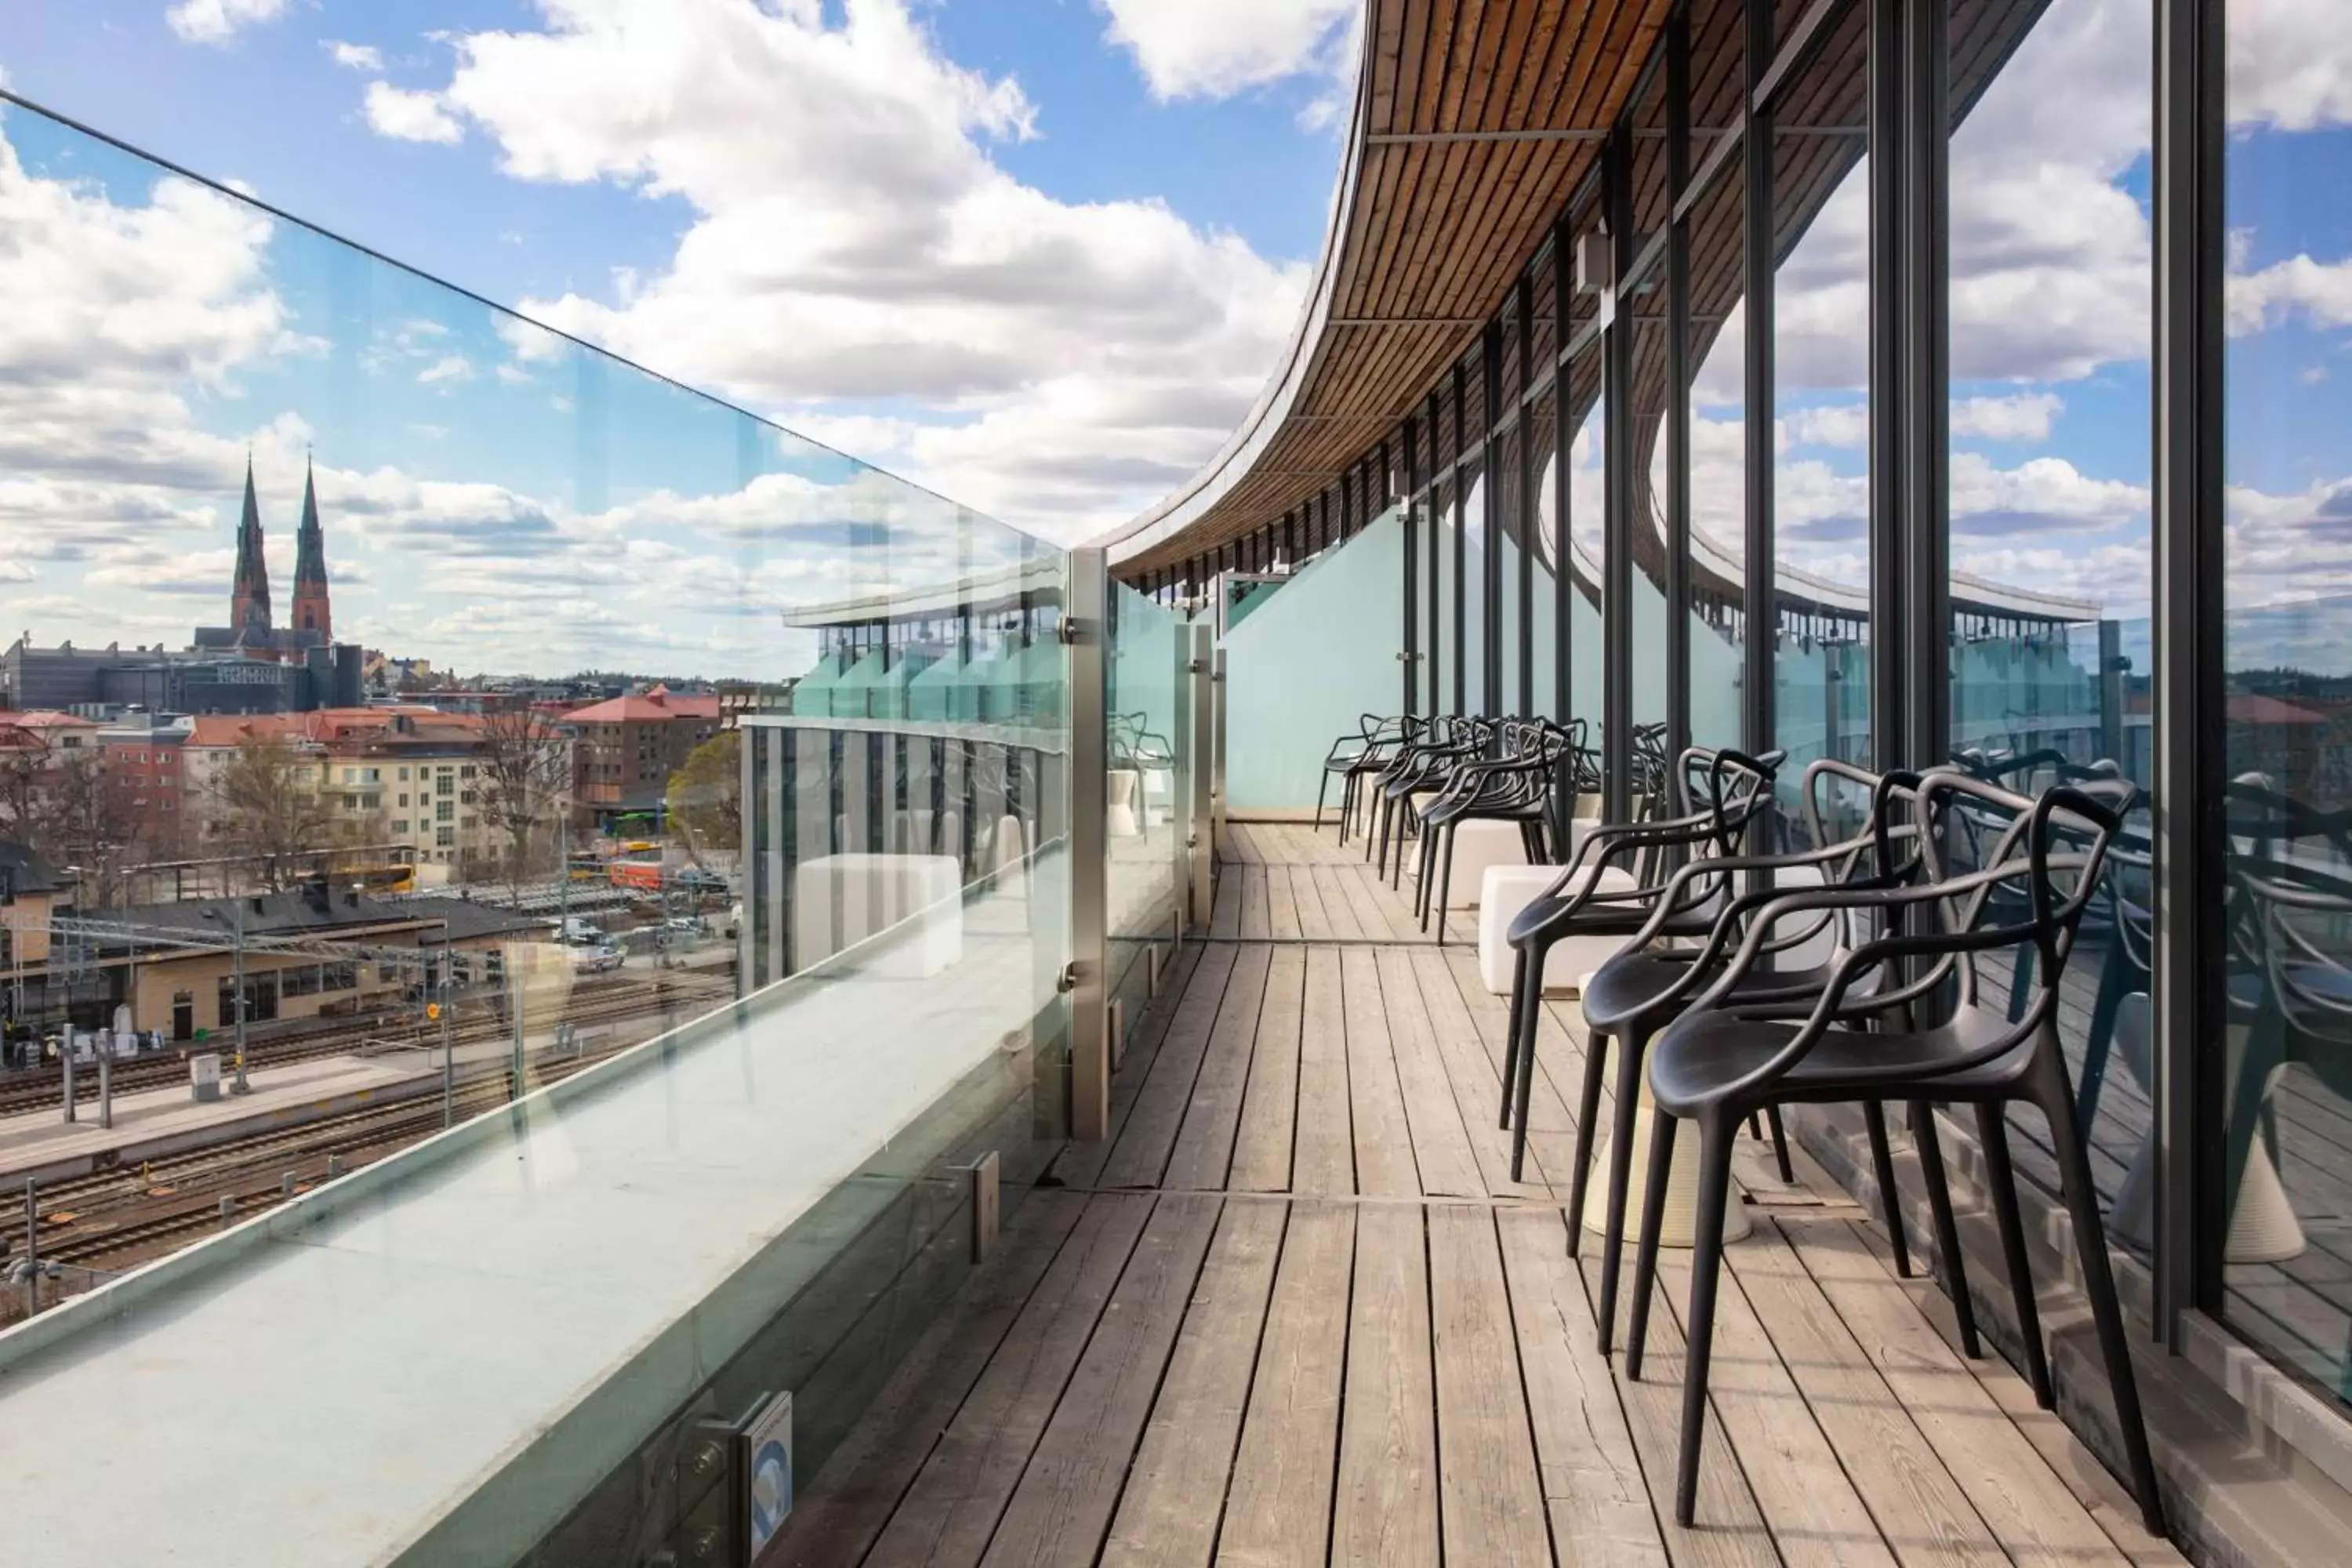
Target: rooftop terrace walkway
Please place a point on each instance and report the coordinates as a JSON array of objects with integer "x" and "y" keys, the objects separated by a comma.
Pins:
[{"x": 1295, "y": 1311}]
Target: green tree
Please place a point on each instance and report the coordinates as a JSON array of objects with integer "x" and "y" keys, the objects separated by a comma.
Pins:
[{"x": 706, "y": 796}]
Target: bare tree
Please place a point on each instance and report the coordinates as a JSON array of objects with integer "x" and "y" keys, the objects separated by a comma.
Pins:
[
  {"x": 25, "y": 769},
  {"x": 86, "y": 819},
  {"x": 526, "y": 765},
  {"x": 273, "y": 810}
]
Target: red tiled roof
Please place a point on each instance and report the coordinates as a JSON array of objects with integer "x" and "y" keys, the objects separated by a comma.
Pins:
[
  {"x": 2253, "y": 707},
  {"x": 658, "y": 706}
]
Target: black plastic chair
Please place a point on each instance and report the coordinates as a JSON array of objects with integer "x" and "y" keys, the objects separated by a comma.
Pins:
[
  {"x": 1516, "y": 789},
  {"x": 1733, "y": 790},
  {"x": 1646, "y": 987},
  {"x": 1352, "y": 757},
  {"x": 1422, "y": 766},
  {"x": 1717, "y": 1064}
]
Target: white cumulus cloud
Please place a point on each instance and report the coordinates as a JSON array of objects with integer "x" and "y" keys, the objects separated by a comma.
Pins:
[
  {"x": 407, "y": 116},
  {"x": 353, "y": 57},
  {"x": 1213, "y": 48},
  {"x": 853, "y": 241},
  {"x": 218, "y": 21}
]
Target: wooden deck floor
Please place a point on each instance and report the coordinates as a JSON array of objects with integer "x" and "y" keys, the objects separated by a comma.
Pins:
[{"x": 1295, "y": 1311}]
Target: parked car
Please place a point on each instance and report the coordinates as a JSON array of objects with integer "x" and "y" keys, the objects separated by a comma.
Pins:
[
  {"x": 582, "y": 932},
  {"x": 597, "y": 958},
  {"x": 701, "y": 879},
  {"x": 691, "y": 928}
]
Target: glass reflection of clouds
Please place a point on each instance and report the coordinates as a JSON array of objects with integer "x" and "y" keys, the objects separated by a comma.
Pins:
[{"x": 495, "y": 496}]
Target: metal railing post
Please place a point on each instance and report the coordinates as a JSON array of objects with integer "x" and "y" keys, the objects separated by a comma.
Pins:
[
  {"x": 1200, "y": 763},
  {"x": 1086, "y": 627},
  {"x": 1216, "y": 747}
]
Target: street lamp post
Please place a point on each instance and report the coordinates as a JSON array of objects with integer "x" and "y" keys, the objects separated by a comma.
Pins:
[
  {"x": 238, "y": 1085},
  {"x": 448, "y": 1036}
]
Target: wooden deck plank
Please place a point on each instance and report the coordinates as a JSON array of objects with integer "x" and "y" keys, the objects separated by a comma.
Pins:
[
  {"x": 1386, "y": 1507},
  {"x": 1212, "y": 1113},
  {"x": 1081, "y": 1164},
  {"x": 1314, "y": 925},
  {"x": 2040, "y": 1522},
  {"x": 1164, "y": 1519},
  {"x": 1339, "y": 909},
  {"x": 1323, "y": 1155},
  {"x": 2094, "y": 1486},
  {"x": 1148, "y": 1135},
  {"x": 1728, "y": 1530},
  {"x": 1477, "y": 1081},
  {"x": 1282, "y": 904},
  {"x": 1592, "y": 1480},
  {"x": 1062, "y": 1505},
  {"x": 1790, "y": 1466},
  {"x": 1492, "y": 1499},
  {"x": 1898, "y": 1474},
  {"x": 1256, "y": 925},
  {"x": 1441, "y": 1144},
  {"x": 1385, "y": 1166},
  {"x": 1261, "y": 1161},
  {"x": 952, "y": 1511},
  {"x": 1225, "y": 910},
  {"x": 1559, "y": 1065},
  {"x": 1375, "y": 908},
  {"x": 851, "y": 1503},
  {"x": 1278, "y": 1514}
]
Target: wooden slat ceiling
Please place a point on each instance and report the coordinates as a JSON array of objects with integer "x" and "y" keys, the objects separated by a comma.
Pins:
[
  {"x": 1433, "y": 234},
  {"x": 1441, "y": 216}
]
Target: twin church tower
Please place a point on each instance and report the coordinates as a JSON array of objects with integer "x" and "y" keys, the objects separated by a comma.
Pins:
[{"x": 251, "y": 628}]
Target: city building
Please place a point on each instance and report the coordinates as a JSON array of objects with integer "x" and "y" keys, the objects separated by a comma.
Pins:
[
  {"x": 406, "y": 779},
  {"x": 321, "y": 950},
  {"x": 31, "y": 888},
  {"x": 143, "y": 756},
  {"x": 625, "y": 749}
]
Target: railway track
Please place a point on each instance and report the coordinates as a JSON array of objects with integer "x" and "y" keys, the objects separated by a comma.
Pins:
[
  {"x": 119, "y": 1218},
  {"x": 42, "y": 1089}
]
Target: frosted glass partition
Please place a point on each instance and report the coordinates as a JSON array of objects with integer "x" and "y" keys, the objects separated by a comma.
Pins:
[
  {"x": 1146, "y": 787},
  {"x": 674, "y": 809},
  {"x": 1306, "y": 667}
]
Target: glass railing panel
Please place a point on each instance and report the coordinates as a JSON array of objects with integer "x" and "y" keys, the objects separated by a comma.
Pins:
[
  {"x": 1144, "y": 789},
  {"x": 673, "y": 809}
]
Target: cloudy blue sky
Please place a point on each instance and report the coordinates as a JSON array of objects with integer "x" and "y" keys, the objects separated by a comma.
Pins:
[{"x": 1036, "y": 255}]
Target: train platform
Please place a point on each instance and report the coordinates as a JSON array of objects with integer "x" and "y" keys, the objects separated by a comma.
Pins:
[{"x": 153, "y": 1122}]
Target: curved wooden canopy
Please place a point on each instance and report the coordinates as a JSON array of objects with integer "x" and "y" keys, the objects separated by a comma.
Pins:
[
  {"x": 1472, "y": 123},
  {"x": 1473, "y": 126}
]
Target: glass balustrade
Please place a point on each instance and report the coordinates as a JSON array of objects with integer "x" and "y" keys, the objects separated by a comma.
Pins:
[{"x": 672, "y": 808}]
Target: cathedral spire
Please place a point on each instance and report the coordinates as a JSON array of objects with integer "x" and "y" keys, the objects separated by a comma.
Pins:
[
  {"x": 249, "y": 598},
  {"x": 312, "y": 612}
]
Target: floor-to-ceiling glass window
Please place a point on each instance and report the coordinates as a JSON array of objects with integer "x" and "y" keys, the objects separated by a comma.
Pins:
[
  {"x": 1717, "y": 462},
  {"x": 2050, "y": 288},
  {"x": 2286, "y": 1077},
  {"x": 1582, "y": 545},
  {"x": 1822, "y": 401},
  {"x": 1643, "y": 306}
]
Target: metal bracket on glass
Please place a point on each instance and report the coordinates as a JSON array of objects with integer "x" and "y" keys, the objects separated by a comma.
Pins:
[
  {"x": 1069, "y": 980},
  {"x": 987, "y": 1209}
]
